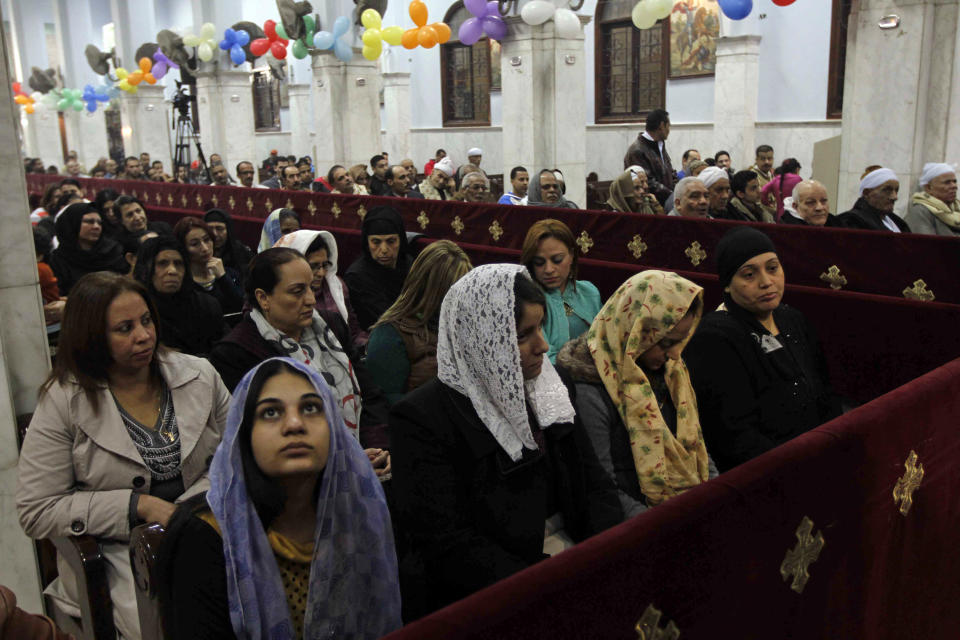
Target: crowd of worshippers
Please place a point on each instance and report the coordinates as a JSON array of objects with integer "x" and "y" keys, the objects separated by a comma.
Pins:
[{"x": 336, "y": 451}]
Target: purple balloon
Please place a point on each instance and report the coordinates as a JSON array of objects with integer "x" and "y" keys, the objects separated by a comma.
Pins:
[
  {"x": 493, "y": 8},
  {"x": 476, "y": 7},
  {"x": 494, "y": 27},
  {"x": 471, "y": 31}
]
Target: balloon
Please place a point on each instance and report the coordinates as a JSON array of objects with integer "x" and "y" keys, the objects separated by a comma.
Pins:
[
  {"x": 162, "y": 64},
  {"x": 299, "y": 50},
  {"x": 207, "y": 37},
  {"x": 208, "y": 31},
  {"x": 21, "y": 99},
  {"x": 321, "y": 40},
  {"x": 343, "y": 51},
  {"x": 393, "y": 35},
  {"x": 273, "y": 42},
  {"x": 309, "y": 26},
  {"x": 476, "y": 7},
  {"x": 17, "y": 88},
  {"x": 371, "y": 37},
  {"x": 642, "y": 17},
  {"x": 371, "y": 19},
  {"x": 470, "y": 31},
  {"x": 660, "y": 9},
  {"x": 234, "y": 41},
  {"x": 494, "y": 27},
  {"x": 281, "y": 31},
  {"x": 205, "y": 52},
  {"x": 278, "y": 49},
  {"x": 418, "y": 13},
  {"x": 566, "y": 23},
  {"x": 372, "y": 52},
  {"x": 443, "y": 31},
  {"x": 736, "y": 9},
  {"x": 242, "y": 37},
  {"x": 237, "y": 56},
  {"x": 341, "y": 25},
  {"x": 260, "y": 46},
  {"x": 29, "y": 108},
  {"x": 327, "y": 41},
  {"x": 427, "y": 37},
  {"x": 409, "y": 40},
  {"x": 537, "y": 12},
  {"x": 783, "y": 3}
]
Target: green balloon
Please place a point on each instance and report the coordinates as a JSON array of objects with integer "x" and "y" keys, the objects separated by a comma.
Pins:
[
  {"x": 299, "y": 50},
  {"x": 281, "y": 32},
  {"x": 310, "y": 25}
]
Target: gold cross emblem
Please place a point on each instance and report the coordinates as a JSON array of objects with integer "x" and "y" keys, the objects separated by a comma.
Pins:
[
  {"x": 335, "y": 210},
  {"x": 170, "y": 199},
  {"x": 834, "y": 278},
  {"x": 799, "y": 559},
  {"x": 199, "y": 201},
  {"x": 637, "y": 246},
  {"x": 269, "y": 204},
  {"x": 312, "y": 208},
  {"x": 908, "y": 483},
  {"x": 585, "y": 242},
  {"x": 457, "y": 225},
  {"x": 919, "y": 291},
  {"x": 496, "y": 231},
  {"x": 250, "y": 203},
  {"x": 215, "y": 200},
  {"x": 183, "y": 200},
  {"x": 648, "y": 626},
  {"x": 423, "y": 219},
  {"x": 696, "y": 253},
  {"x": 232, "y": 202},
  {"x": 157, "y": 197},
  {"x": 362, "y": 212},
  {"x": 134, "y": 193}
]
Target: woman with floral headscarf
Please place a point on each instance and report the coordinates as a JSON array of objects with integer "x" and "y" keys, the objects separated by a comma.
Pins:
[
  {"x": 633, "y": 391},
  {"x": 293, "y": 540},
  {"x": 491, "y": 473}
]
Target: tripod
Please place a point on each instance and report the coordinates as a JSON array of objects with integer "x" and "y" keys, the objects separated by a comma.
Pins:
[{"x": 184, "y": 134}]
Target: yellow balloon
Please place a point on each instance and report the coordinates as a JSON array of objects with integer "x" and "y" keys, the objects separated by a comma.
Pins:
[
  {"x": 122, "y": 73},
  {"x": 371, "y": 37},
  {"x": 393, "y": 35},
  {"x": 372, "y": 53},
  {"x": 370, "y": 19}
]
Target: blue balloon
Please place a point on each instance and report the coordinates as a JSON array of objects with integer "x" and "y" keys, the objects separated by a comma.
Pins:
[
  {"x": 92, "y": 106},
  {"x": 323, "y": 40},
  {"x": 343, "y": 51},
  {"x": 237, "y": 55},
  {"x": 341, "y": 26},
  {"x": 736, "y": 9},
  {"x": 242, "y": 37}
]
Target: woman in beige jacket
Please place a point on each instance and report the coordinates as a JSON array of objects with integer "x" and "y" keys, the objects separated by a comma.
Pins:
[{"x": 123, "y": 429}]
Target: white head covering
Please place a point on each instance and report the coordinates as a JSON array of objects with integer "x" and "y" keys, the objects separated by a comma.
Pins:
[
  {"x": 477, "y": 355},
  {"x": 445, "y": 165},
  {"x": 933, "y": 170},
  {"x": 711, "y": 174},
  {"x": 475, "y": 151},
  {"x": 636, "y": 170},
  {"x": 301, "y": 241},
  {"x": 876, "y": 178}
]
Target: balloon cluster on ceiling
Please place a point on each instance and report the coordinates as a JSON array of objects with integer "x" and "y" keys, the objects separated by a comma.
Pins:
[{"x": 646, "y": 13}]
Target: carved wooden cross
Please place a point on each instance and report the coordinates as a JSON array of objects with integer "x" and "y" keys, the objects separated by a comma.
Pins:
[
  {"x": 637, "y": 246},
  {"x": 799, "y": 559},
  {"x": 908, "y": 483}
]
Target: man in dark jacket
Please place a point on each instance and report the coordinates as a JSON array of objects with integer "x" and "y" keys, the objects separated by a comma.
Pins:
[
  {"x": 377, "y": 185},
  {"x": 398, "y": 179},
  {"x": 873, "y": 210},
  {"x": 649, "y": 152}
]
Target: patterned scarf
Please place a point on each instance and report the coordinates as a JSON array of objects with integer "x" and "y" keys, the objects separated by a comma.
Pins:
[
  {"x": 354, "y": 590},
  {"x": 948, "y": 215},
  {"x": 319, "y": 349},
  {"x": 640, "y": 314}
]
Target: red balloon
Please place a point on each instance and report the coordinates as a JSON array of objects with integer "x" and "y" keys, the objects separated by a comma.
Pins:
[
  {"x": 270, "y": 28},
  {"x": 783, "y": 3},
  {"x": 259, "y": 46},
  {"x": 278, "y": 50}
]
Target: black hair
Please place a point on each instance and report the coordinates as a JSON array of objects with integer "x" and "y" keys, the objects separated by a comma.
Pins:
[
  {"x": 41, "y": 241},
  {"x": 717, "y": 155},
  {"x": 710, "y": 162},
  {"x": 72, "y": 181},
  {"x": 262, "y": 273},
  {"x": 147, "y": 253},
  {"x": 288, "y": 213},
  {"x": 516, "y": 170},
  {"x": 123, "y": 201},
  {"x": 686, "y": 154},
  {"x": 375, "y": 159},
  {"x": 104, "y": 196},
  {"x": 790, "y": 165},
  {"x": 245, "y": 162},
  {"x": 740, "y": 180},
  {"x": 130, "y": 243},
  {"x": 656, "y": 118},
  {"x": 318, "y": 244},
  {"x": 443, "y": 151},
  {"x": 526, "y": 291},
  {"x": 65, "y": 199},
  {"x": 763, "y": 149},
  {"x": 129, "y": 158},
  {"x": 330, "y": 173},
  {"x": 292, "y": 159}
]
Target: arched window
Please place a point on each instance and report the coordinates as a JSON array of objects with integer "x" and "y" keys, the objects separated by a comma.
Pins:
[
  {"x": 466, "y": 75},
  {"x": 631, "y": 64}
]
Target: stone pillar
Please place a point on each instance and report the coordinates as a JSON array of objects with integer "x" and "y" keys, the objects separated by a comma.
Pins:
[
  {"x": 543, "y": 128},
  {"x": 87, "y": 135},
  {"x": 146, "y": 124},
  {"x": 302, "y": 134},
  {"x": 735, "y": 96},
  {"x": 41, "y": 131},
  {"x": 225, "y": 103},
  {"x": 346, "y": 113},
  {"x": 901, "y": 109},
  {"x": 24, "y": 356},
  {"x": 396, "y": 108}
]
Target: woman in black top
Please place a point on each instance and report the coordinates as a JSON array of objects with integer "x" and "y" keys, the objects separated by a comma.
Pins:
[
  {"x": 756, "y": 364},
  {"x": 83, "y": 247}
]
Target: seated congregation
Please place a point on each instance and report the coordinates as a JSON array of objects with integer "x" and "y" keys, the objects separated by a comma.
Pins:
[{"x": 337, "y": 456}]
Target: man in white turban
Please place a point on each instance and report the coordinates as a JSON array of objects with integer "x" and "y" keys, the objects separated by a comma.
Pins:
[
  {"x": 474, "y": 156},
  {"x": 717, "y": 182},
  {"x": 873, "y": 210},
  {"x": 935, "y": 210}
]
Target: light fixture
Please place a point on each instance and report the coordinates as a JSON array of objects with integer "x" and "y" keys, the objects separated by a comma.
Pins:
[
  {"x": 361, "y": 82},
  {"x": 234, "y": 98},
  {"x": 891, "y": 21},
  {"x": 126, "y": 131},
  {"x": 516, "y": 61},
  {"x": 570, "y": 59}
]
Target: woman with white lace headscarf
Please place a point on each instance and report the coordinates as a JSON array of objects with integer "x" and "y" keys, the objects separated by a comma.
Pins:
[{"x": 491, "y": 473}]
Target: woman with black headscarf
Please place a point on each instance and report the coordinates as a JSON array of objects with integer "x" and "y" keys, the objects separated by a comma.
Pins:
[
  {"x": 376, "y": 277},
  {"x": 546, "y": 191},
  {"x": 83, "y": 248},
  {"x": 235, "y": 254},
  {"x": 756, "y": 364},
  {"x": 191, "y": 319}
]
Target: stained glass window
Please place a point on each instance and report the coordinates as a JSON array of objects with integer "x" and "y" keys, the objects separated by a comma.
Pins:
[
  {"x": 466, "y": 76},
  {"x": 266, "y": 101}
]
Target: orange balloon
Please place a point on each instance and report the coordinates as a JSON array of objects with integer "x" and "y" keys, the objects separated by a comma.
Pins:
[
  {"x": 418, "y": 13},
  {"x": 443, "y": 31},
  {"x": 409, "y": 39},
  {"x": 135, "y": 78},
  {"x": 29, "y": 108},
  {"x": 427, "y": 37},
  {"x": 21, "y": 99},
  {"x": 145, "y": 65},
  {"x": 149, "y": 78}
]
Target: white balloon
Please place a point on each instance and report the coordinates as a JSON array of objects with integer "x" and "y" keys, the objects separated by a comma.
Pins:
[
  {"x": 567, "y": 23},
  {"x": 660, "y": 8},
  {"x": 537, "y": 12},
  {"x": 643, "y": 18}
]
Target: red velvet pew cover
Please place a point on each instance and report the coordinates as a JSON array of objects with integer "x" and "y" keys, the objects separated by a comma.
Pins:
[
  {"x": 710, "y": 559},
  {"x": 870, "y": 262}
]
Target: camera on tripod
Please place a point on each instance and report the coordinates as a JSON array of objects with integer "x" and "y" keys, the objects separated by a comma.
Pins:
[{"x": 181, "y": 101}]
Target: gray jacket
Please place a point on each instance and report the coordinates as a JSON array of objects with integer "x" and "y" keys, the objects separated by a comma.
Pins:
[{"x": 921, "y": 220}]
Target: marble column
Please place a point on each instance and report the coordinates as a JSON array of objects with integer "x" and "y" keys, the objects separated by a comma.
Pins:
[
  {"x": 736, "y": 93},
  {"x": 24, "y": 355},
  {"x": 87, "y": 135},
  {"x": 225, "y": 103},
  {"x": 302, "y": 134},
  {"x": 41, "y": 131},
  {"x": 146, "y": 124},
  {"x": 346, "y": 113},
  {"x": 396, "y": 108},
  {"x": 543, "y": 128},
  {"x": 901, "y": 109}
]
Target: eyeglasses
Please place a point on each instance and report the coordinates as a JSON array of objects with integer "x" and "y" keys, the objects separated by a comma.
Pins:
[
  {"x": 322, "y": 266},
  {"x": 477, "y": 187}
]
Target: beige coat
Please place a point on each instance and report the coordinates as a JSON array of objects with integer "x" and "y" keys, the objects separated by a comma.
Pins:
[{"x": 78, "y": 468}]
